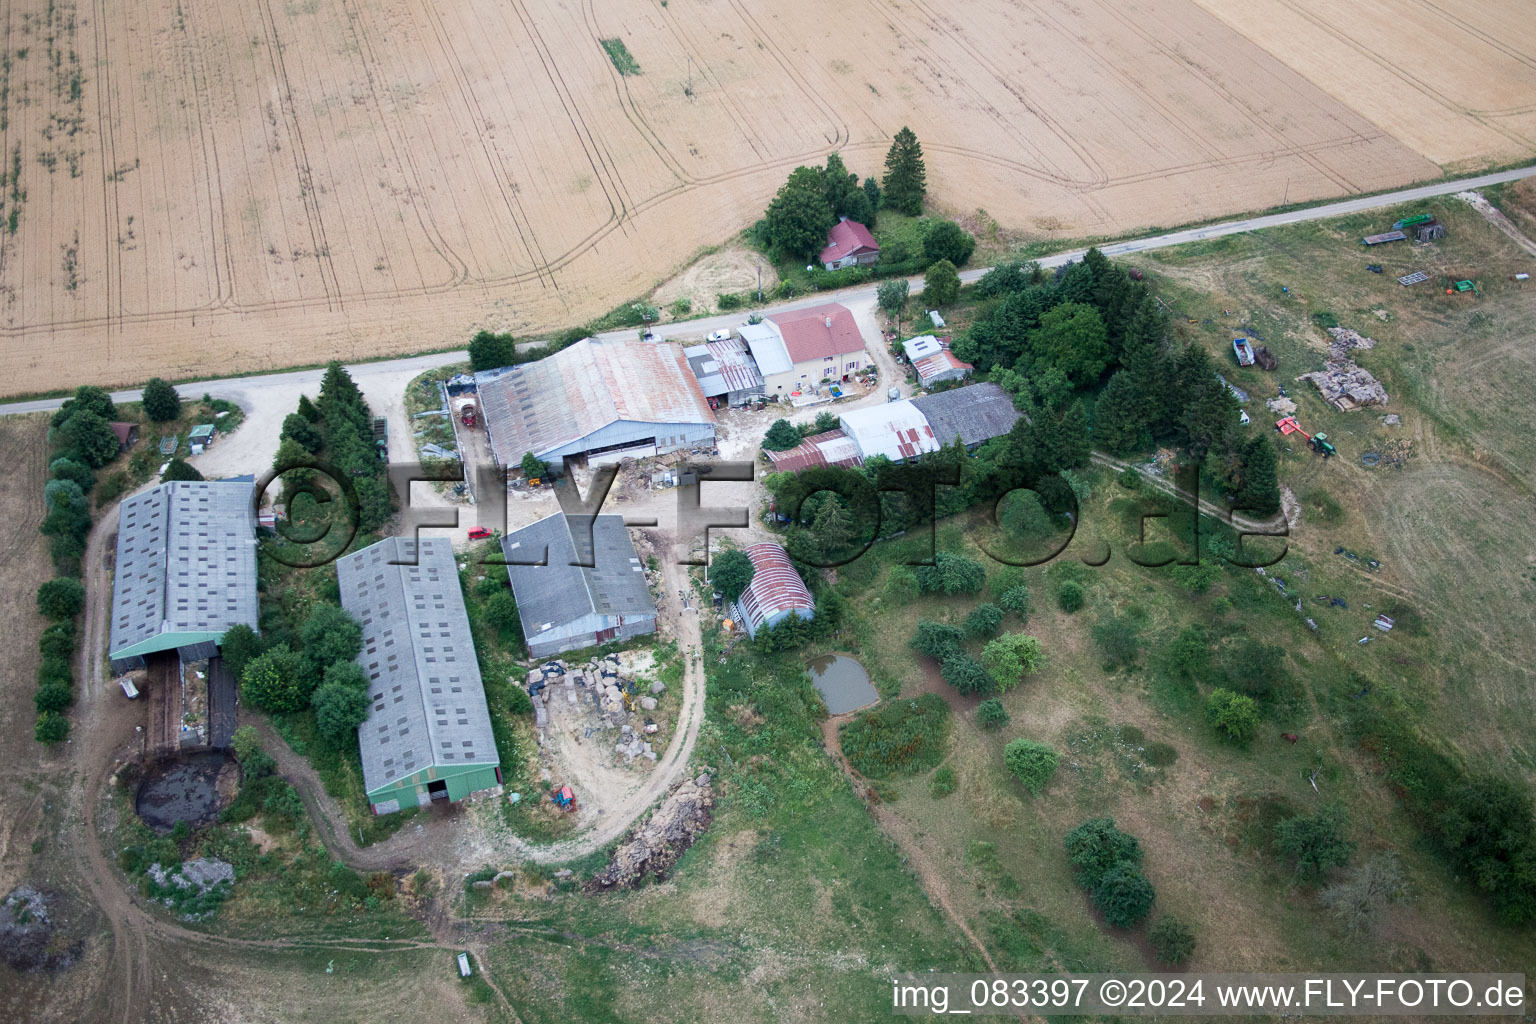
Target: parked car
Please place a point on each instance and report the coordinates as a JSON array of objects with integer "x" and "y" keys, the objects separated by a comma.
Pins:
[
  {"x": 724, "y": 334},
  {"x": 479, "y": 533}
]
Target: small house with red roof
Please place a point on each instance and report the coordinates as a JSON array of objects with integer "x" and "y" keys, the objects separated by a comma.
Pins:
[{"x": 849, "y": 244}]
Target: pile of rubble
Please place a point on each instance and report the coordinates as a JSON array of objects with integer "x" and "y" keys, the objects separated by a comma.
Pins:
[
  {"x": 601, "y": 689},
  {"x": 1342, "y": 383},
  {"x": 655, "y": 846},
  {"x": 31, "y": 936}
]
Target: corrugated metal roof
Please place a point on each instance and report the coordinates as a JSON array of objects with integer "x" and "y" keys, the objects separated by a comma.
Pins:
[
  {"x": 546, "y": 405},
  {"x": 896, "y": 430},
  {"x": 186, "y": 563},
  {"x": 736, "y": 365},
  {"x": 940, "y": 366},
  {"x": 557, "y": 592},
  {"x": 817, "y": 332},
  {"x": 427, "y": 702},
  {"x": 767, "y": 347},
  {"x": 833, "y": 448},
  {"x": 973, "y": 413},
  {"x": 776, "y": 587}
]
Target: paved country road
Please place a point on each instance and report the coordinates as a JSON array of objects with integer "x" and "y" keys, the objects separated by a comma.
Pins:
[{"x": 245, "y": 389}]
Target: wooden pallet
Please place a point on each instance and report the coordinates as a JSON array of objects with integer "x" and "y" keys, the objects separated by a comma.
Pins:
[{"x": 1417, "y": 277}]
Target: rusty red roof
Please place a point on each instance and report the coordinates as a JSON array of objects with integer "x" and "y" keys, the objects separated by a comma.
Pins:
[
  {"x": 846, "y": 238},
  {"x": 776, "y": 588},
  {"x": 818, "y": 332},
  {"x": 939, "y": 363},
  {"x": 833, "y": 448}
]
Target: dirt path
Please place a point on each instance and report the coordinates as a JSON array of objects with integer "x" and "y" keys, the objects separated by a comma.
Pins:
[
  {"x": 934, "y": 881},
  {"x": 1493, "y": 215},
  {"x": 1208, "y": 507},
  {"x": 672, "y": 765}
]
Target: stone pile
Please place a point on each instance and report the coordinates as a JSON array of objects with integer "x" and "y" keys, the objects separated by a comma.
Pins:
[
  {"x": 1344, "y": 384},
  {"x": 654, "y": 847},
  {"x": 599, "y": 683}
]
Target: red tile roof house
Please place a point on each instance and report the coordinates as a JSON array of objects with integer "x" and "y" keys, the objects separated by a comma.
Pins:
[
  {"x": 849, "y": 244},
  {"x": 808, "y": 346}
]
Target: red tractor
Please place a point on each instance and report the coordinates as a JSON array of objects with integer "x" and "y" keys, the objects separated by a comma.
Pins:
[{"x": 564, "y": 799}]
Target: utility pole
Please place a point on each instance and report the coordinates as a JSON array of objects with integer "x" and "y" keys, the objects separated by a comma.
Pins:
[
  {"x": 759, "y": 280},
  {"x": 1287, "y": 198}
]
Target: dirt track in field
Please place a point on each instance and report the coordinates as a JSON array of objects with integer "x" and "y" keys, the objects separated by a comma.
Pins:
[{"x": 221, "y": 186}]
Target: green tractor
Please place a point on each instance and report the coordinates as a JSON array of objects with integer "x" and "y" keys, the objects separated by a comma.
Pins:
[{"x": 1321, "y": 445}]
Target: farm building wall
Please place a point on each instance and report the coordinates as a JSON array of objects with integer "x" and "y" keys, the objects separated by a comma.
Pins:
[
  {"x": 626, "y": 434},
  {"x": 412, "y": 792},
  {"x": 583, "y": 632}
]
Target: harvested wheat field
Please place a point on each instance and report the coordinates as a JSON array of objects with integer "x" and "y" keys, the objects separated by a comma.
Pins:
[{"x": 208, "y": 187}]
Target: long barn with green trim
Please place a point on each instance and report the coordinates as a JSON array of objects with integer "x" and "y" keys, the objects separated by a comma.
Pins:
[{"x": 428, "y": 736}]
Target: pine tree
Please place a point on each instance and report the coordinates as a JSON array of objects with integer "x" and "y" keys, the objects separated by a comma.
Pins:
[
  {"x": 1118, "y": 427},
  {"x": 840, "y": 186},
  {"x": 833, "y": 527},
  {"x": 906, "y": 177},
  {"x": 1260, "y": 492},
  {"x": 307, "y": 409},
  {"x": 872, "y": 193}
]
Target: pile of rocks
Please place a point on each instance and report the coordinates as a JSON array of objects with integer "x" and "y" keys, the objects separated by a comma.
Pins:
[
  {"x": 600, "y": 683},
  {"x": 655, "y": 846},
  {"x": 31, "y": 938},
  {"x": 1342, "y": 383}
]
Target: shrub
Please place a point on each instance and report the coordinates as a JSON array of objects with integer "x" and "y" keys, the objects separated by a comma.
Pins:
[
  {"x": 51, "y": 727},
  {"x": 898, "y": 738},
  {"x": 937, "y": 640},
  {"x": 731, "y": 572},
  {"x": 951, "y": 574},
  {"x": 57, "y": 641},
  {"x": 329, "y": 635},
  {"x": 681, "y": 307},
  {"x": 1356, "y": 900},
  {"x": 61, "y": 598},
  {"x": 518, "y": 701},
  {"x": 991, "y": 713},
  {"x": 1315, "y": 842},
  {"x": 1119, "y": 639},
  {"x": 161, "y": 401},
  {"x": 55, "y": 669},
  {"x": 239, "y": 645},
  {"x": 1197, "y": 578},
  {"x": 728, "y": 301},
  {"x": 1190, "y": 652},
  {"x": 1172, "y": 940},
  {"x": 1009, "y": 657},
  {"x": 946, "y": 240},
  {"x": 965, "y": 674},
  {"x": 1070, "y": 595},
  {"x": 942, "y": 783},
  {"x": 501, "y": 615},
  {"x": 1488, "y": 829},
  {"x": 340, "y": 707},
  {"x": 984, "y": 620},
  {"x": 1031, "y": 762},
  {"x": 276, "y": 681},
  {"x": 53, "y": 697},
  {"x": 88, "y": 438},
  {"x": 1233, "y": 715},
  {"x": 1096, "y": 846},
  {"x": 64, "y": 468},
  {"x": 1016, "y": 601},
  {"x": 489, "y": 350},
  {"x": 1124, "y": 896},
  {"x": 1159, "y": 754},
  {"x": 901, "y": 583},
  {"x": 1130, "y": 479},
  {"x": 781, "y": 436},
  {"x": 180, "y": 469}
]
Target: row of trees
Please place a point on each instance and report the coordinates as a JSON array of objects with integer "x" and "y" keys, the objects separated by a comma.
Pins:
[
  {"x": 1091, "y": 351},
  {"x": 814, "y": 198},
  {"x": 339, "y": 428},
  {"x": 321, "y": 673}
]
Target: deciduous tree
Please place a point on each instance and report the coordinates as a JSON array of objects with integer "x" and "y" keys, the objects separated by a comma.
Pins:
[
  {"x": 730, "y": 572},
  {"x": 161, "y": 401},
  {"x": 941, "y": 284}
]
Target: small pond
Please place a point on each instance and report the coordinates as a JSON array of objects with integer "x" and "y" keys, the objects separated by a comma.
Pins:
[
  {"x": 193, "y": 789},
  {"x": 842, "y": 683}
]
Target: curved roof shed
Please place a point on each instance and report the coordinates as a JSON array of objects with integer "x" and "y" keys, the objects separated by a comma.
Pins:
[{"x": 776, "y": 591}]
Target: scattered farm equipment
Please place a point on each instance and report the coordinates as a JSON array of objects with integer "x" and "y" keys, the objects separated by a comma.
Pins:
[
  {"x": 564, "y": 799},
  {"x": 1317, "y": 442},
  {"x": 1408, "y": 222},
  {"x": 381, "y": 437},
  {"x": 1244, "y": 351},
  {"x": 467, "y": 414},
  {"x": 1463, "y": 286}
]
